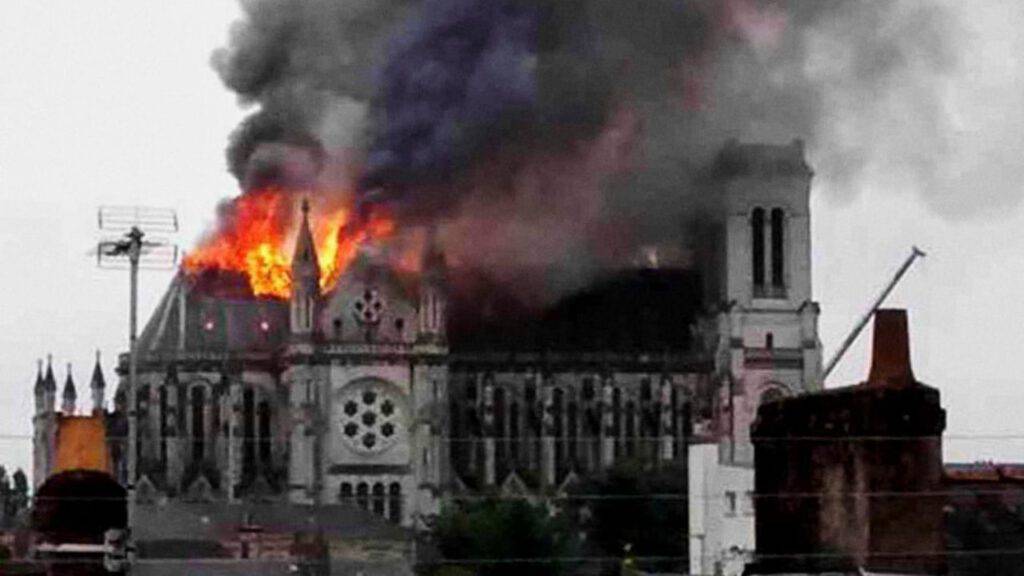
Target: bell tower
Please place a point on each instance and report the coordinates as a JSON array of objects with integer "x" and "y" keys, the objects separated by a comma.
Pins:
[
  {"x": 768, "y": 326},
  {"x": 305, "y": 280}
]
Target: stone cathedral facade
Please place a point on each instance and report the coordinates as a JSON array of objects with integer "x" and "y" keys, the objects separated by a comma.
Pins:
[{"x": 394, "y": 390}]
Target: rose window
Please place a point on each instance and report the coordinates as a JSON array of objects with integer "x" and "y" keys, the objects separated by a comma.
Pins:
[
  {"x": 369, "y": 307},
  {"x": 369, "y": 418}
]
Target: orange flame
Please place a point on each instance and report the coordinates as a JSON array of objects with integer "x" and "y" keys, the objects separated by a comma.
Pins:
[{"x": 258, "y": 238}]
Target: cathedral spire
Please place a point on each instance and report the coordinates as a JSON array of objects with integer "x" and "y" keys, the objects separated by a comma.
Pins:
[
  {"x": 70, "y": 395},
  {"x": 305, "y": 265},
  {"x": 305, "y": 278},
  {"x": 97, "y": 386}
]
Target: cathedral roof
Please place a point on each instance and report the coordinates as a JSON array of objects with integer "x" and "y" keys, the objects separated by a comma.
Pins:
[
  {"x": 214, "y": 311},
  {"x": 634, "y": 310}
]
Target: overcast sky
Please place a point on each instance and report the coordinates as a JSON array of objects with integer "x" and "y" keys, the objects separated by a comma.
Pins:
[{"x": 114, "y": 102}]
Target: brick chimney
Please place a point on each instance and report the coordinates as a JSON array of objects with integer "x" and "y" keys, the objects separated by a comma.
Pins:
[{"x": 890, "y": 354}]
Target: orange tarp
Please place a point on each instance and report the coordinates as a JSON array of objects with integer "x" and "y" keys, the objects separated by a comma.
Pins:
[{"x": 82, "y": 444}]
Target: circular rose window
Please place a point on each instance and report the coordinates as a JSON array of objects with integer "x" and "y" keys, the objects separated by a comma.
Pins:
[{"x": 369, "y": 417}]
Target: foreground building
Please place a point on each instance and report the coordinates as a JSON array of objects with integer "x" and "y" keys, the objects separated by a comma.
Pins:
[
  {"x": 850, "y": 480},
  {"x": 394, "y": 391}
]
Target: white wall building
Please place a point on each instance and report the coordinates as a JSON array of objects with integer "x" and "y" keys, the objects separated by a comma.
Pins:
[{"x": 721, "y": 513}]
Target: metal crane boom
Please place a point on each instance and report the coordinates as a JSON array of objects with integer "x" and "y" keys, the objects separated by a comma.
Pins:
[{"x": 914, "y": 255}]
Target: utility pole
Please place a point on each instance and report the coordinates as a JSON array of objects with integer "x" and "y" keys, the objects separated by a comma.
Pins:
[
  {"x": 914, "y": 255},
  {"x": 155, "y": 254}
]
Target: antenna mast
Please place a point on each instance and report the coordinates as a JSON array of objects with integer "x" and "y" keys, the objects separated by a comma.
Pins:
[
  {"x": 132, "y": 248},
  {"x": 914, "y": 255}
]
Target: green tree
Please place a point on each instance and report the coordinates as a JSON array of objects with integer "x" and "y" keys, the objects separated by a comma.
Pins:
[
  {"x": 636, "y": 508},
  {"x": 499, "y": 538},
  {"x": 18, "y": 498}
]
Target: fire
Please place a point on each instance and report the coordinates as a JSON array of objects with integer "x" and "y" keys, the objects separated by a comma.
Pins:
[{"x": 257, "y": 237}]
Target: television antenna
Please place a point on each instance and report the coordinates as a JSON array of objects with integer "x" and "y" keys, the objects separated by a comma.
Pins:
[{"x": 131, "y": 249}]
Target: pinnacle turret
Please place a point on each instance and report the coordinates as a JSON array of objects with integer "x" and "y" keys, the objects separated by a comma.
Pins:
[
  {"x": 49, "y": 382},
  {"x": 39, "y": 388},
  {"x": 97, "y": 385},
  {"x": 70, "y": 395}
]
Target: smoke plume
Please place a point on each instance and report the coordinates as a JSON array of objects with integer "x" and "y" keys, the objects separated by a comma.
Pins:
[{"x": 569, "y": 133}]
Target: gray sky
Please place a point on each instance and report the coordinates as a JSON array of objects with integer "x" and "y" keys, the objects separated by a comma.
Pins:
[{"x": 114, "y": 102}]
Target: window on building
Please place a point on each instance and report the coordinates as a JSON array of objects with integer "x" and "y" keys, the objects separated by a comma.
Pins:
[
  {"x": 778, "y": 249},
  {"x": 730, "y": 503},
  {"x": 265, "y": 432},
  {"x": 345, "y": 493},
  {"x": 378, "y": 499},
  {"x": 363, "y": 495},
  {"x": 163, "y": 423},
  {"x": 248, "y": 433},
  {"x": 395, "y": 503},
  {"x": 198, "y": 423},
  {"x": 769, "y": 340},
  {"x": 757, "y": 235},
  {"x": 748, "y": 503}
]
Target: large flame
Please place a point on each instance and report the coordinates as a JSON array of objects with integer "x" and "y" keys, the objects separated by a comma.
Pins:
[{"x": 257, "y": 237}]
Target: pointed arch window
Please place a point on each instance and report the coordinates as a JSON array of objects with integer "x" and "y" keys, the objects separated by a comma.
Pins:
[
  {"x": 757, "y": 245},
  {"x": 395, "y": 503},
  {"x": 198, "y": 423},
  {"x": 778, "y": 225}
]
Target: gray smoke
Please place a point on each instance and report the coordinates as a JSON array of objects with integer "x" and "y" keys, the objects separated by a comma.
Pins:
[{"x": 571, "y": 132}]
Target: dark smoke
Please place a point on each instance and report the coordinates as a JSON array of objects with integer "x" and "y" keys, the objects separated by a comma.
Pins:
[
  {"x": 301, "y": 64},
  {"x": 571, "y": 132}
]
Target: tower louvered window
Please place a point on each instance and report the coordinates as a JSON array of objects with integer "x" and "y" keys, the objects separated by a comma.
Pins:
[{"x": 757, "y": 245}]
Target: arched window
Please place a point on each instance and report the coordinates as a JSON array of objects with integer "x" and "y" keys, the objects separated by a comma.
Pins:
[
  {"x": 198, "y": 422},
  {"x": 778, "y": 248},
  {"x": 499, "y": 430},
  {"x": 631, "y": 438},
  {"x": 164, "y": 415},
  {"x": 345, "y": 493},
  {"x": 363, "y": 495},
  {"x": 264, "y": 431},
  {"x": 757, "y": 235},
  {"x": 248, "y": 432},
  {"x": 378, "y": 499},
  {"x": 513, "y": 433},
  {"x": 395, "y": 503}
]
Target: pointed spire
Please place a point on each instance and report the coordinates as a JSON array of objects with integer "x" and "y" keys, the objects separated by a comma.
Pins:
[
  {"x": 38, "y": 388},
  {"x": 305, "y": 247},
  {"x": 98, "y": 381},
  {"x": 70, "y": 395},
  {"x": 97, "y": 386},
  {"x": 49, "y": 382}
]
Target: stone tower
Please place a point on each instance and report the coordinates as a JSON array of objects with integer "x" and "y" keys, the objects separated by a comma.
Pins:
[{"x": 768, "y": 329}]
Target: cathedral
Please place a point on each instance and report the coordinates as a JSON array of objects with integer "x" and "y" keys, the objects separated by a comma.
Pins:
[{"x": 394, "y": 390}]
